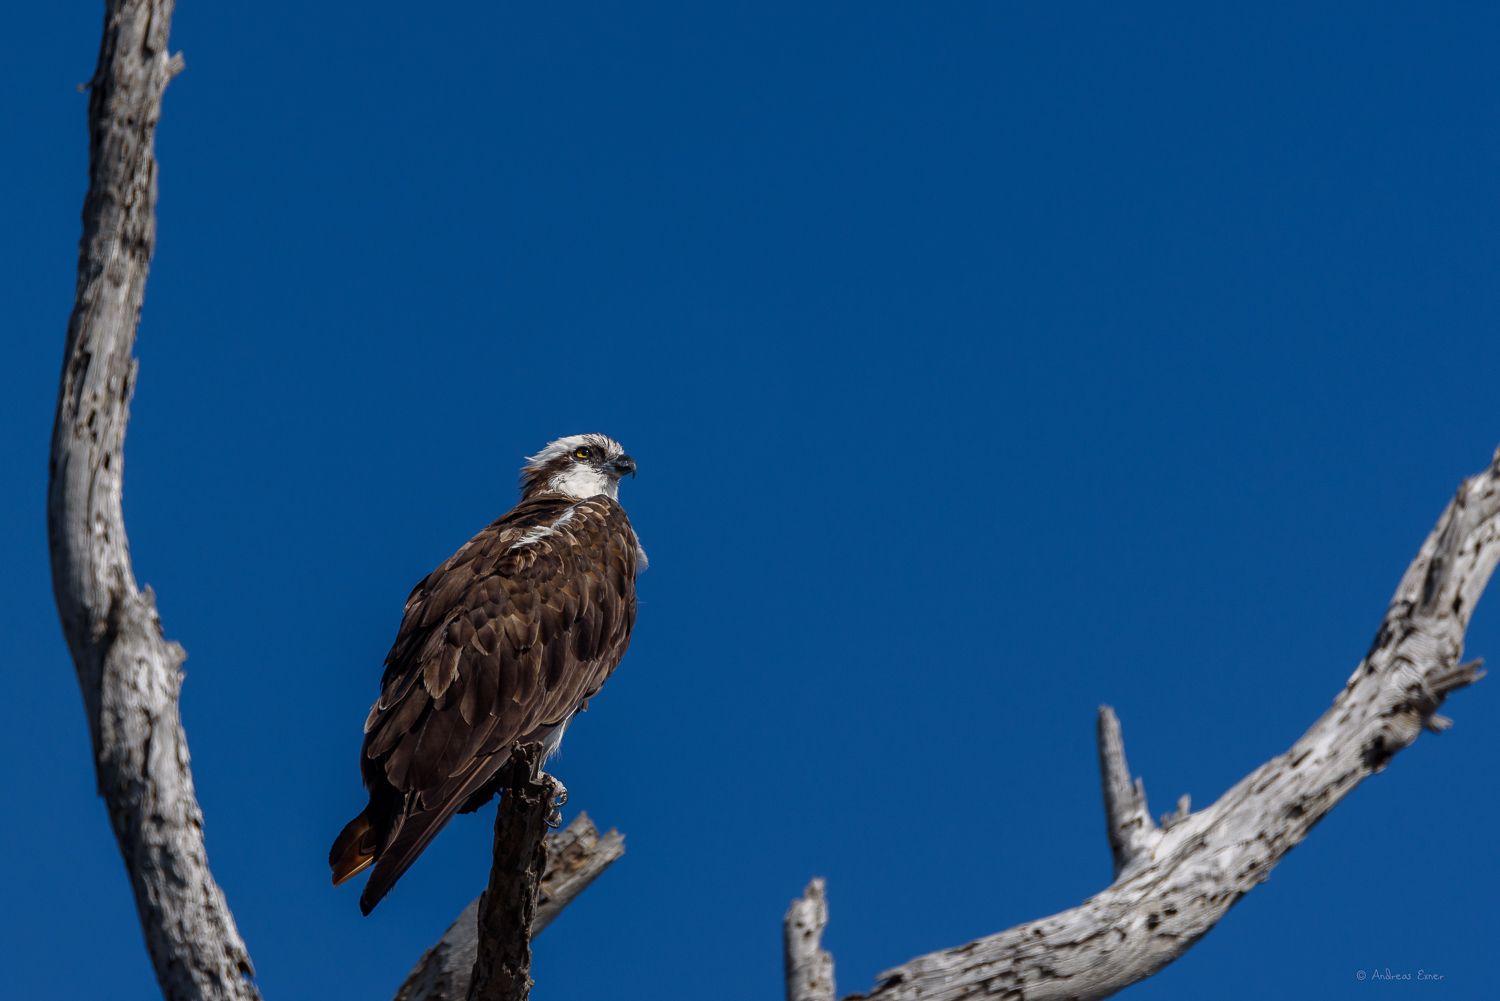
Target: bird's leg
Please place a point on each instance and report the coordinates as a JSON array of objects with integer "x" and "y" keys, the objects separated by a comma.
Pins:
[{"x": 559, "y": 799}]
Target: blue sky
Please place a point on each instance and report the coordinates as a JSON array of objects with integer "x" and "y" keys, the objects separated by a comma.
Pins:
[{"x": 984, "y": 363}]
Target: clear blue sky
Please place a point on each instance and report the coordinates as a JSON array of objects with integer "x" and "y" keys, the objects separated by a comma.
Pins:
[{"x": 984, "y": 362}]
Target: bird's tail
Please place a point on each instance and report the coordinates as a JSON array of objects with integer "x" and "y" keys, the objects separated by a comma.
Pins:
[
  {"x": 354, "y": 849},
  {"x": 416, "y": 826}
]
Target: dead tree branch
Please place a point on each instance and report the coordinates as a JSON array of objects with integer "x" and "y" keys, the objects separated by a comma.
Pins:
[
  {"x": 1174, "y": 882},
  {"x": 1127, "y": 820},
  {"x": 508, "y": 909},
  {"x": 809, "y": 967},
  {"x": 128, "y": 673},
  {"x": 576, "y": 856}
]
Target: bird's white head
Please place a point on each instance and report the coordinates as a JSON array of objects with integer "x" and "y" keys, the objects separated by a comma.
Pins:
[{"x": 580, "y": 465}]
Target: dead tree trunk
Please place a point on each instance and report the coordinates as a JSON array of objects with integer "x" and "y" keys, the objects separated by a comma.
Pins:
[
  {"x": 128, "y": 673},
  {"x": 1174, "y": 882}
]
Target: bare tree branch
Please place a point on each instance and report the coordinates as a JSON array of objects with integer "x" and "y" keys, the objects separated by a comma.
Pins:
[
  {"x": 508, "y": 909},
  {"x": 1174, "y": 882},
  {"x": 128, "y": 673},
  {"x": 576, "y": 856},
  {"x": 809, "y": 968},
  {"x": 1127, "y": 820}
]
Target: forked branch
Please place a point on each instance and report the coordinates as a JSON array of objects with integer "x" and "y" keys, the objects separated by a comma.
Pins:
[
  {"x": 1174, "y": 882},
  {"x": 576, "y": 856}
]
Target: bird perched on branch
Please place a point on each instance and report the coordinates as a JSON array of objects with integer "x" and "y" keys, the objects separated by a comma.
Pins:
[{"x": 500, "y": 645}]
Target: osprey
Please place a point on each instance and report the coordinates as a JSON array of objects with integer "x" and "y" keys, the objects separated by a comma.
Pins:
[{"x": 500, "y": 645}]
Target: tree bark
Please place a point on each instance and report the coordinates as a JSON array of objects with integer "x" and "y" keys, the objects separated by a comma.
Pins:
[
  {"x": 808, "y": 967},
  {"x": 129, "y": 675},
  {"x": 576, "y": 856},
  {"x": 1174, "y": 881},
  {"x": 508, "y": 908}
]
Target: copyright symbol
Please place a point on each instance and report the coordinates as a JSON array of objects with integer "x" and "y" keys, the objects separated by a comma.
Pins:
[{"x": 1360, "y": 974}]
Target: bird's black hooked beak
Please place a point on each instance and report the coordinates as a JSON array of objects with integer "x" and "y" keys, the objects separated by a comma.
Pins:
[{"x": 621, "y": 465}]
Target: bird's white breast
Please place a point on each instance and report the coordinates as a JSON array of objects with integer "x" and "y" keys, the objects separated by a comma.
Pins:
[{"x": 585, "y": 481}]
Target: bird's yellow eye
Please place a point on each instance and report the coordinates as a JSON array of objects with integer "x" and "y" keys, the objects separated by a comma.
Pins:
[{"x": 582, "y": 453}]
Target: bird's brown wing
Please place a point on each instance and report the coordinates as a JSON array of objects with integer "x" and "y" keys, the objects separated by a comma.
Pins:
[{"x": 502, "y": 641}]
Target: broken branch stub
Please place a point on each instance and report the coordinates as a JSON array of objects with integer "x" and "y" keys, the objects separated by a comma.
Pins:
[{"x": 808, "y": 966}]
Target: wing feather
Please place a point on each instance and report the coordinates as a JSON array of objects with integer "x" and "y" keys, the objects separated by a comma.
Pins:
[{"x": 394, "y": 726}]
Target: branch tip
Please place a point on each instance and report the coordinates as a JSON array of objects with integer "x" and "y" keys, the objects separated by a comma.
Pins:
[
  {"x": 808, "y": 966},
  {"x": 1183, "y": 812},
  {"x": 1114, "y": 770},
  {"x": 1127, "y": 820}
]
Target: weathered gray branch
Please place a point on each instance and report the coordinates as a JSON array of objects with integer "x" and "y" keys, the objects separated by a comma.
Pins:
[
  {"x": 809, "y": 967},
  {"x": 1174, "y": 882},
  {"x": 1127, "y": 820},
  {"x": 576, "y": 856},
  {"x": 128, "y": 673}
]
